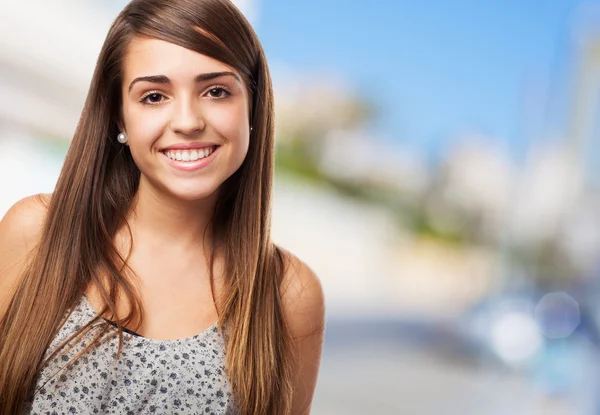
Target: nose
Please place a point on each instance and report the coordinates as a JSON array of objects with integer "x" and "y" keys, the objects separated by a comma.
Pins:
[{"x": 186, "y": 117}]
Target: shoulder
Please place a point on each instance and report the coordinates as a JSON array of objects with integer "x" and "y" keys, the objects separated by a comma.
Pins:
[
  {"x": 302, "y": 297},
  {"x": 22, "y": 223},
  {"x": 20, "y": 229}
]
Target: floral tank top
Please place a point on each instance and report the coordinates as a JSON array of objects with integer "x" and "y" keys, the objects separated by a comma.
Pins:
[{"x": 183, "y": 376}]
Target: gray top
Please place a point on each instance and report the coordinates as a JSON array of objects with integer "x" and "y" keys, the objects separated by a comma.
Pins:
[{"x": 184, "y": 376}]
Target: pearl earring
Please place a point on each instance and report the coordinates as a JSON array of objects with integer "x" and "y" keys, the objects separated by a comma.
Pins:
[
  {"x": 250, "y": 128},
  {"x": 122, "y": 138}
]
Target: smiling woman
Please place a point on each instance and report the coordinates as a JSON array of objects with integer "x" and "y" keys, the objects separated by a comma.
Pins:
[{"x": 148, "y": 282}]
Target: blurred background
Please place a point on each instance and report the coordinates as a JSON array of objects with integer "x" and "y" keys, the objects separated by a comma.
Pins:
[{"x": 436, "y": 166}]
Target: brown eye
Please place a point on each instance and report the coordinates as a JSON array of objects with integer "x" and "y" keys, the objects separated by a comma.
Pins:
[
  {"x": 218, "y": 93},
  {"x": 153, "y": 98}
]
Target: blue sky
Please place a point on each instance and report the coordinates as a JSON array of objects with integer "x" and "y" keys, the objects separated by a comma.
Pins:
[{"x": 434, "y": 67}]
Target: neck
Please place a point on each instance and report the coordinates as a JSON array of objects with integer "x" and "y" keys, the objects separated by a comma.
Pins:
[{"x": 156, "y": 215}]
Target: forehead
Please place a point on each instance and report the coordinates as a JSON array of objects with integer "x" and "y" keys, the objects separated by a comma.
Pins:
[{"x": 146, "y": 56}]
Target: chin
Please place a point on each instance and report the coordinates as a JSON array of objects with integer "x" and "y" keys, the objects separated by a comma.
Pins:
[
  {"x": 186, "y": 189},
  {"x": 194, "y": 194}
]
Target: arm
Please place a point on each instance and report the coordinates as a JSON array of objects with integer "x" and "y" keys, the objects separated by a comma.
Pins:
[
  {"x": 19, "y": 233},
  {"x": 304, "y": 308}
]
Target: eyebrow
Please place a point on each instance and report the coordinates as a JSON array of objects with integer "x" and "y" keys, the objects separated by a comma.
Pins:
[{"x": 162, "y": 79}]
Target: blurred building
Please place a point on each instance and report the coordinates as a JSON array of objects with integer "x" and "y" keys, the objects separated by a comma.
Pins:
[
  {"x": 47, "y": 57},
  {"x": 46, "y": 63}
]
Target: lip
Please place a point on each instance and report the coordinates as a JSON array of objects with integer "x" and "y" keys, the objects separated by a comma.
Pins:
[
  {"x": 190, "y": 165},
  {"x": 189, "y": 146}
]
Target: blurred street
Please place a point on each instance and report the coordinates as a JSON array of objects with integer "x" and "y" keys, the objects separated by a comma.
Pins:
[{"x": 377, "y": 376}]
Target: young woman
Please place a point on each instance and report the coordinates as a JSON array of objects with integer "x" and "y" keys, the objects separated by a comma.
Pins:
[{"x": 148, "y": 282}]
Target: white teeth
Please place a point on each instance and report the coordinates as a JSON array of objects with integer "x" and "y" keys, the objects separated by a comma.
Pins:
[{"x": 189, "y": 155}]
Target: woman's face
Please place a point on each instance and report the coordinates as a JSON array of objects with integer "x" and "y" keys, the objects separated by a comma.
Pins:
[{"x": 185, "y": 116}]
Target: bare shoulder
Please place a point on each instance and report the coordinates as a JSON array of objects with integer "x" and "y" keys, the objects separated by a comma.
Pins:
[
  {"x": 21, "y": 225},
  {"x": 20, "y": 229},
  {"x": 302, "y": 297},
  {"x": 304, "y": 309}
]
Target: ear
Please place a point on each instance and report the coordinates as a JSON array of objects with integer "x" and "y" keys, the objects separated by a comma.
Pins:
[
  {"x": 121, "y": 124},
  {"x": 121, "y": 127}
]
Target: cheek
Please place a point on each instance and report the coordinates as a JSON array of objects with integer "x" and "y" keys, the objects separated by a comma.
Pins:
[
  {"x": 229, "y": 119},
  {"x": 144, "y": 127},
  {"x": 232, "y": 125}
]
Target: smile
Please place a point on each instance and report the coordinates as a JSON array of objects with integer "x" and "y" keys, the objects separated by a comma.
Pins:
[
  {"x": 190, "y": 159},
  {"x": 189, "y": 155}
]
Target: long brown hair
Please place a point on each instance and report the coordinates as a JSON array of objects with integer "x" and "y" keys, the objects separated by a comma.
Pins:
[{"x": 94, "y": 194}]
